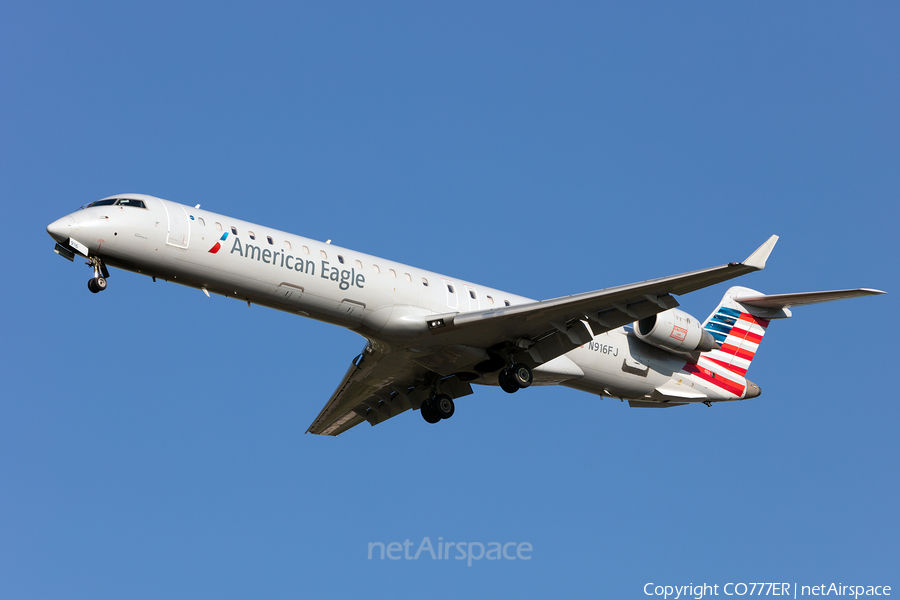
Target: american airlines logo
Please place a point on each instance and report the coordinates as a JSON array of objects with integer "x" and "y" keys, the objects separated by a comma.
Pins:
[
  {"x": 218, "y": 246},
  {"x": 345, "y": 278}
]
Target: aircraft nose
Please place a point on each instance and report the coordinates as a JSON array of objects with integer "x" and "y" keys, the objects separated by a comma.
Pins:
[{"x": 60, "y": 229}]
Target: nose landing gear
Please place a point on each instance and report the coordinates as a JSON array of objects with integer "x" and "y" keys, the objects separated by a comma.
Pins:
[{"x": 98, "y": 282}]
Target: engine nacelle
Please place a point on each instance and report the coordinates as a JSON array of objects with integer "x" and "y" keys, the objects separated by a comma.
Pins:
[{"x": 675, "y": 331}]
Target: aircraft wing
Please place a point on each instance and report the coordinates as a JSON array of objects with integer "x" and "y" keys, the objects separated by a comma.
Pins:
[
  {"x": 380, "y": 385},
  {"x": 377, "y": 387},
  {"x": 549, "y": 328}
]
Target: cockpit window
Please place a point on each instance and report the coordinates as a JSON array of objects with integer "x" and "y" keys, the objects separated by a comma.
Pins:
[
  {"x": 118, "y": 201},
  {"x": 134, "y": 203}
]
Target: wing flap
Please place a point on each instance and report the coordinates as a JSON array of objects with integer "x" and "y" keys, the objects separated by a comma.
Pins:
[
  {"x": 379, "y": 386},
  {"x": 343, "y": 425},
  {"x": 331, "y": 412},
  {"x": 368, "y": 384}
]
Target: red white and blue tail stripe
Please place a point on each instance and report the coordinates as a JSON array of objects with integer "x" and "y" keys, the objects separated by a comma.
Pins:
[{"x": 739, "y": 334}]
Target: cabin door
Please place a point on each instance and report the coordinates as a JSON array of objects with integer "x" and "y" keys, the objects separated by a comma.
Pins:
[{"x": 179, "y": 227}]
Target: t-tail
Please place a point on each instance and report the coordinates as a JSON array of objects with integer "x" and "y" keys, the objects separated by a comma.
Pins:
[
  {"x": 739, "y": 323},
  {"x": 738, "y": 328}
]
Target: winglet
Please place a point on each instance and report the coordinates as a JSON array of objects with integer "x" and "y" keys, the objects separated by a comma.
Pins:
[{"x": 757, "y": 260}]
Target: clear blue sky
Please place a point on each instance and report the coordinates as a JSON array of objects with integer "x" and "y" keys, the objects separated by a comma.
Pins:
[{"x": 151, "y": 439}]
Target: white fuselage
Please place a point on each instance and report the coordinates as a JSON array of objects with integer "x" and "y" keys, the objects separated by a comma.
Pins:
[{"x": 384, "y": 301}]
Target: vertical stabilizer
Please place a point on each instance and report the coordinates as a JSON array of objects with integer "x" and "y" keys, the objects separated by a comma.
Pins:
[
  {"x": 738, "y": 325},
  {"x": 738, "y": 332}
]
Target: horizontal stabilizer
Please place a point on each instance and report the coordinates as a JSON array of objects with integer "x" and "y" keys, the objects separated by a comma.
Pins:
[{"x": 787, "y": 300}]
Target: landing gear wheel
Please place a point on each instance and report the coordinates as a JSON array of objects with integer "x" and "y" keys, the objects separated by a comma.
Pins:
[
  {"x": 506, "y": 382},
  {"x": 521, "y": 375},
  {"x": 444, "y": 406},
  {"x": 429, "y": 412},
  {"x": 96, "y": 284}
]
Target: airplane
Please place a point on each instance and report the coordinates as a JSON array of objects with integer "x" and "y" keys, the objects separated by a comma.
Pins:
[{"x": 429, "y": 336}]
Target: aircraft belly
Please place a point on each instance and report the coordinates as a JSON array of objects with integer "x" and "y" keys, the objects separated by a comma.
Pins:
[
  {"x": 614, "y": 365},
  {"x": 618, "y": 385},
  {"x": 618, "y": 365},
  {"x": 556, "y": 371}
]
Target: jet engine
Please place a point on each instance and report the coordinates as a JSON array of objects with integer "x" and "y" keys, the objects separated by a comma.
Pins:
[{"x": 675, "y": 331}]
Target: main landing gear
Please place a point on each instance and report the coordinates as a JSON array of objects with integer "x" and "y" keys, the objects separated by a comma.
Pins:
[
  {"x": 98, "y": 282},
  {"x": 438, "y": 407},
  {"x": 515, "y": 377}
]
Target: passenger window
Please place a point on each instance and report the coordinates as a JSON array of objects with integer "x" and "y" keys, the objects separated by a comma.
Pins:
[
  {"x": 393, "y": 273},
  {"x": 287, "y": 245},
  {"x": 218, "y": 226},
  {"x": 376, "y": 268},
  {"x": 358, "y": 265},
  {"x": 252, "y": 235},
  {"x": 471, "y": 294},
  {"x": 506, "y": 302},
  {"x": 269, "y": 237},
  {"x": 408, "y": 278},
  {"x": 424, "y": 282},
  {"x": 450, "y": 289},
  {"x": 490, "y": 300},
  {"x": 323, "y": 255},
  {"x": 234, "y": 230},
  {"x": 340, "y": 259},
  {"x": 305, "y": 250}
]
